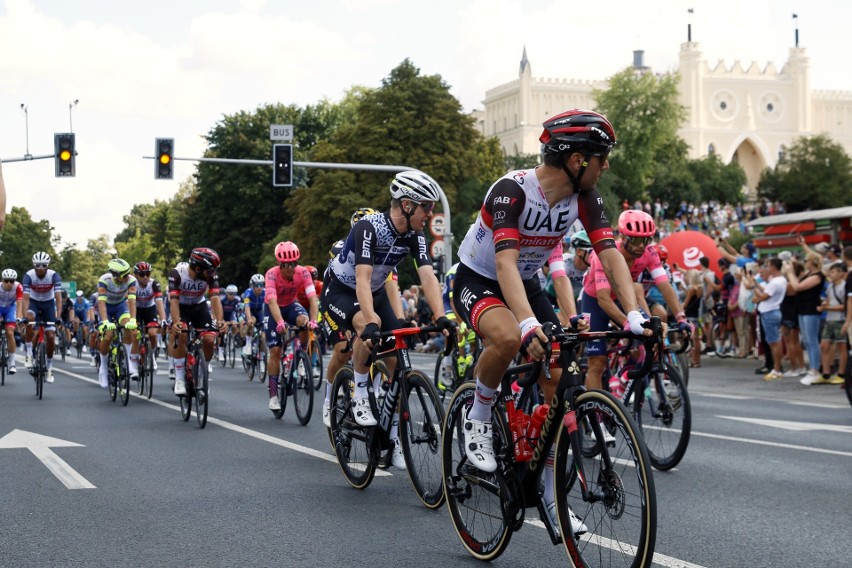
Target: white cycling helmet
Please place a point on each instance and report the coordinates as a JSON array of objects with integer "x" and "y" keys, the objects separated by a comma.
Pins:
[
  {"x": 416, "y": 186},
  {"x": 231, "y": 289},
  {"x": 10, "y": 274},
  {"x": 41, "y": 257},
  {"x": 258, "y": 279},
  {"x": 79, "y": 293}
]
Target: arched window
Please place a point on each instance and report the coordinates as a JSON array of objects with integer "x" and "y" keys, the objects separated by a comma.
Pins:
[{"x": 711, "y": 149}]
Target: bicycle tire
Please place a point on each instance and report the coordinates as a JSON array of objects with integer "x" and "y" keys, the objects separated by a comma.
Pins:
[
  {"x": 148, "y": 379},
  {"x": 123, "y": 376},
  {"x": 112, "y": 380},
  {"x": 301, "y": 381},
  {"x": 40, "y": 361},
  {"x": 317, "y": 367},
  {"x": 283, "y": 381},
  {"x": 186, "y": 400},
  {"x": 248, "y": 362},
  {"x": 351, "y": 442},
  {"x": 201, "y": 377},
  {"x": 262, "y": 366},
  {"x": 440, "y": 388},
  {"x": 143, "y": 370},
  {"x": 622, "y": 519},
  {"x": 231, "y": 352},
  {"x": 473, "y": 500},
  {"x": 4, "y": 358},
  {"x": 79, "y": 336},
  {"x": 420, "y": 425},
  {"x": 665, "y": 419}
]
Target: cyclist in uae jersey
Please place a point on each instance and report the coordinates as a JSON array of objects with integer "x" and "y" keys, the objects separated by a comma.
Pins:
[
  {"x": 42, "y": 302},
  {"x": 11, "y": 311},
  {"x": 117, "y": 305},
  {"x": 637, "y": 229},
  {"x": 189, "y": 282},
  {"x": 150, "y": 310},
  {"x": 283, "y": 283},
  {"x": 375, "y": 246},
  {"x": 522, "y": 222}
]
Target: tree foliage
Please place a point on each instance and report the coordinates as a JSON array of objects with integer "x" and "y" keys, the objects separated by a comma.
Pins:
[
  {"x": 814, "y": 173},
  {"x": 644, "y": 111},
  {"x": 22, "y": 237}
]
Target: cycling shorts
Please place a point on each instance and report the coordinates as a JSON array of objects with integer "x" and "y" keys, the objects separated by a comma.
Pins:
[
  {"x": 42, "y": 311},
  {"x": 598, "y": 321},
  {"x": 147, "y": 317},
  {"x": 9, "y": 314},
  {"x": 229, "y": 316},
  {"x": 289, "y": 313},
  {"x": 116, "y": 312},
  {"x": 82, "y": 316},
  {"x": 654, "y": 296},
  {"x": 197, "y": 316},
  {"x": 339, "y": 306}
]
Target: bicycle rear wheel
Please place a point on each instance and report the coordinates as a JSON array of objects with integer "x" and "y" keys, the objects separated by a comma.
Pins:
[
  {"x": 123, "y": 376},
  {"x": 202, "y": 390},
  {"x": 665, "y": 418},
  {"x": 186, "y": 399},
  {"x": 231, "y": 349},
  {"x": 303, "y": 387},
  {"x": 473, "y": 497},
  {"x": 317, "y": 371},
  {"x": 621, "y": 514},
  {"x": 420, "y": 426},
  {"x": 4, "y": 357},
  {"x": 148, "y": 378},
  {"x": 352, "y": 443}
]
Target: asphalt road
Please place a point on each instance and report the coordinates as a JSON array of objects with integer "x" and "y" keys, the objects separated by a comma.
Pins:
[{"x": 765, "y": 482}]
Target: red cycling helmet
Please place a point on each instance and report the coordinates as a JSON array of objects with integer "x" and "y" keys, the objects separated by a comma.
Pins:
[
  {"x": 577, "y": 130},
  {"x": 663, "y": 252},
  {"x": 204, "y": 258},
  {"x": 287, "y": 251},
  {"x": 312, "y": 270},
  {"x": 635, "y": 223},
  {"x": 142, "y": 266}
]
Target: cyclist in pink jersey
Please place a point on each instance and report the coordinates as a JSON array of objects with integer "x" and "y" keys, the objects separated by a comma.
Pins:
[
  {"x": 637, "y": 228},
  {"x": 283, "y": 283}
]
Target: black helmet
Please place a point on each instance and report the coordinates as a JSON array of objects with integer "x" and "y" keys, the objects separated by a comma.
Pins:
[
  {"x": 577, "y": 130},
  {"x": 204, "y": 258}
]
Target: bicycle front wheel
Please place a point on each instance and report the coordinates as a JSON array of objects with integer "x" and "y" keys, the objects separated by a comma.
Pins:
[
  {"x": 40, "y": 364},
  {"x": 231, "y": 349},
  {"x": 147, "y": 379},
  {"x": 665, "y": 418},
  {"x": 202, "y": 390},
  {"x": 4, "y": 358},
  {"x": 122, "y": 376},
  {"x": 303, "y": 387},
  {"x": 420, "y": 426},
  {"x": 317, "y": 370},
  {"x": 619, "y": 507},
  {"x": 473, "y": 497},
  {"x": 112, "y": 378},
  {"x": 352, "y": 443}
]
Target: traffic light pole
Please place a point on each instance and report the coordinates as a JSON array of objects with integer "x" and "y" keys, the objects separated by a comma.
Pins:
[{"x": 445, "y": 205}]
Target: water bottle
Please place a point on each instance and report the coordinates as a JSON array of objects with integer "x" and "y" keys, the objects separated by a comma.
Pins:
[
  {"x": 518, "y": 425},
  {"x": 536, "y": 420}
]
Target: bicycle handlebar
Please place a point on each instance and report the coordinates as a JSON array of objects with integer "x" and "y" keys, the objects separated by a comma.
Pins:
[
  {"x": 378, "y": 336},
  {"x": 684, "y": 343}
]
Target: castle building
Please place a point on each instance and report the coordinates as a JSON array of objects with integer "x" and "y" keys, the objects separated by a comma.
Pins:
[{"x": 746, "y": 114}]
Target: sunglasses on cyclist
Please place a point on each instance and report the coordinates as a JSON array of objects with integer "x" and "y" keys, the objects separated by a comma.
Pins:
[
  {"x": 288, "y": 264},
  {"x": 428, "y": 207},
  {"x": 40, "y": 265},
  {"x": 8, "y": 281},
  {"x": 140, "y": 274},
  {"x": 638, "y": 241}
]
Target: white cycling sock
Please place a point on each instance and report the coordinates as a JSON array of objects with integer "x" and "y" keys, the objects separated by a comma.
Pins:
[
  {"x": 50, "y": 363},
  {"x": 548, "y": 477},
  {"x": 394, "y": 430},
  {"x": 481, "y": 409},
  {"x": 28, "y": 347},
  {"x": 327, "y": 391},
  {"x": 180, "y": 370}
]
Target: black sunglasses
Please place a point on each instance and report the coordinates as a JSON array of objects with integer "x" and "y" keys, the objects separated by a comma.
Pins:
[
  {"x": 41, "y": 265},
  {"x": 143, "y": 274},
  {"x": 636, "y": 241},
  {"x": 8, "y": 281},
  {"x": 289, "y": 264}
]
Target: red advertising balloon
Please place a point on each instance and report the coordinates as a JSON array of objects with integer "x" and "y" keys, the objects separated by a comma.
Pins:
[{"x": 686, "y": 247}]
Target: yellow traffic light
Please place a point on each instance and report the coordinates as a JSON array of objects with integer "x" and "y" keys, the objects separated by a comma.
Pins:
[
  {"x": 65, "y": 155},
  {"x": 165, "y": 159}
]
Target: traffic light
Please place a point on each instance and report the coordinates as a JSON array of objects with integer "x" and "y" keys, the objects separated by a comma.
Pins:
[
  {"x": 282, "y": 165},
  {"x": 164, "y": 152},
  {"x": 64, "y": 155}
]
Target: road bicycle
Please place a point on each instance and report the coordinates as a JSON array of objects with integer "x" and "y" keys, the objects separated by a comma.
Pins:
[
  {"x": 229, "y": 347},
  {"x": 61, "y": 340},
  {"x": 296, "y": 379},
  {"x": 4, "y": 353},
  {"x": 609, "y": 484},
  {"x": 146, "y": 365},
  {"x": 315, "y": 354},
  {"x": 118, "y": 373},
  {"x": 659, "y": 401},
  {"x": 197, "y": 381},
  {"x": 39, "y": 360},
  {"x": 255, "y": 363},
  {"x": 359, "y": 448}
]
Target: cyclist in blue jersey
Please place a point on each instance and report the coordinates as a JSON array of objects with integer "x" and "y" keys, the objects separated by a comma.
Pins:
[
  {"x": 81, "y": 316},
  {"x": 231, "y": 304},
  {"x": 254, "y": 299}
]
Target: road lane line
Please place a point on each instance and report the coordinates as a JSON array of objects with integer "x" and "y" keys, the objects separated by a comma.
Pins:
[{"x": 235, "y": 427}]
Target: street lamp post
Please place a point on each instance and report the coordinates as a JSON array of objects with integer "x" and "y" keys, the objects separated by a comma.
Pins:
[
  {"x": 72, "y": 105},
  {"x": 27, "y": 155}
]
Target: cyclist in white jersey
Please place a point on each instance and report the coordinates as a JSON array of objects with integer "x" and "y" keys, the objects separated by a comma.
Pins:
[
  {"x": 117, "y": 305},
  {"x": 189, "y": 282},
  {"x": 11, "y": 311},
  {"x": 150, "y": 311},
  {"x": 524, "y": 217},
  {"x": 42, "y": 302}
]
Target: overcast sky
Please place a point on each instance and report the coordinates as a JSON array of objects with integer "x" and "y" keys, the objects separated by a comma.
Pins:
[{"x": 173, "y": 68}]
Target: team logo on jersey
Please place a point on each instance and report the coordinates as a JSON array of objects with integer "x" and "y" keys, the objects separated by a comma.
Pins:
[
  {"x": 499, "y": 216},
  {"x": 504, "y": 200},
  {"x": 467, "y": 298},
  {"x": 544, "y": 222}
]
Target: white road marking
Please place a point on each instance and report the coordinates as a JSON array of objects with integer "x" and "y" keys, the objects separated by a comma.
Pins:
[{"x": 39, "y": 446}]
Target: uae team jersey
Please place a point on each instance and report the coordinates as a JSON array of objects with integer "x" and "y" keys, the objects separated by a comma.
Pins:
[
  {"x": 516, "y": 214},
  {"x": 190, "y": 290},
  {"x": 147, "y": 295}
]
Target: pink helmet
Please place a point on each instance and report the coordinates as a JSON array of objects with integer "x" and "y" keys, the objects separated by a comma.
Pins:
[
  {"x": 287, "y": 252},
  {"x": 635, "y": 223}
]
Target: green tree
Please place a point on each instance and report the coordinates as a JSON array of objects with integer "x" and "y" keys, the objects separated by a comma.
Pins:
[
  {"x": 22, "y": 237},
  {"x": 411, "y": 120},
  {"x": 522, "y": 161},
  {"x": 814, "y": 173},
  {"x": 715, "y": 180},
  {"x": 644, "y": 111}
]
